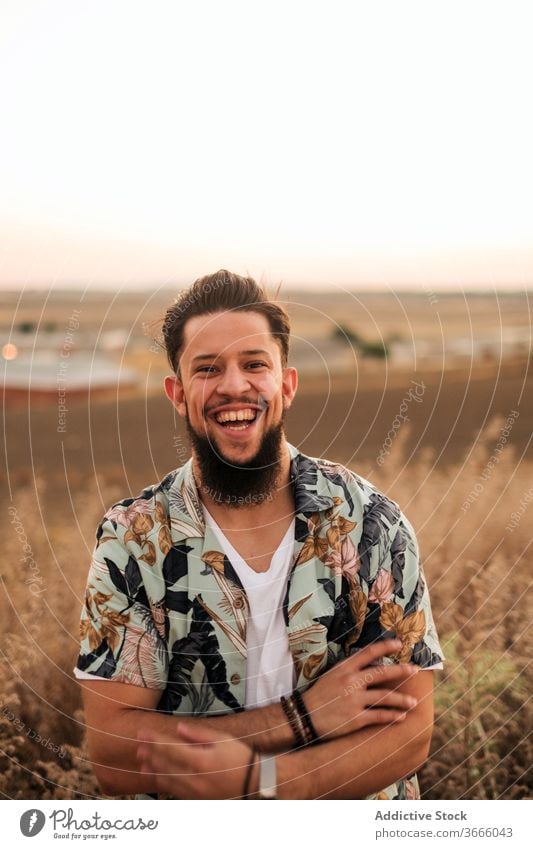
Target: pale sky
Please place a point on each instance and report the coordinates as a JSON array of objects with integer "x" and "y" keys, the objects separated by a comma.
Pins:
[{"x": 376, "y": 143}]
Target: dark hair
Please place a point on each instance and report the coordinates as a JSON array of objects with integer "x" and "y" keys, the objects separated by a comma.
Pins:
[{"x": 215, "y": 293}]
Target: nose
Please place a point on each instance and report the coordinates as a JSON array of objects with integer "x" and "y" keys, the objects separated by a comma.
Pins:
[{"x": 233, "y": 381}]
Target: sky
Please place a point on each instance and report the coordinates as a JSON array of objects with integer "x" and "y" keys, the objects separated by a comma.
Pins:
[{"x": 375, "y": 144}]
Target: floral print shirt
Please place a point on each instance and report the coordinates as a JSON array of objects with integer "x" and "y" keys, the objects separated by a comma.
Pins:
[{"x": 165, "y": 609}]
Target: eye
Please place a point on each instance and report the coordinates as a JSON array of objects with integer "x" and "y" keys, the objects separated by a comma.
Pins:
[
  {"x": 256, "y": 364},
  {"x": 206, "y": 369}
]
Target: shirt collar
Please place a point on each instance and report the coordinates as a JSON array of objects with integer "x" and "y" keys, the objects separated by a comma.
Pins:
[
  {"x": 311, "y": 487},
  {"x": 312, "y": 493}
]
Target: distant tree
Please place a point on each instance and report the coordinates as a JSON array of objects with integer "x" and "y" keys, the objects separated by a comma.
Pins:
[
  {"x": 26, "y": 327},
  {"x": 343, "y": 333},
  {"x": 378, "y": 349}
]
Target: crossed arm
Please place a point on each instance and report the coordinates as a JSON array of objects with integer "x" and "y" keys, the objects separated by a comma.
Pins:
[{"x": 376, "y": 724}]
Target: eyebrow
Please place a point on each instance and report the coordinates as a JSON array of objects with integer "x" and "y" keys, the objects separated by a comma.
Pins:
[{"x": 249, "y": 353}]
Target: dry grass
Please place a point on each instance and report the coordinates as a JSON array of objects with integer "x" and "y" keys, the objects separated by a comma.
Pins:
[
  {"x": 480, "y": 580},
  {"x": 479, "y": 572}
]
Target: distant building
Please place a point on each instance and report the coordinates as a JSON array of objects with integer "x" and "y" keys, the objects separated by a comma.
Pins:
[{"x": 58, "y": 376}]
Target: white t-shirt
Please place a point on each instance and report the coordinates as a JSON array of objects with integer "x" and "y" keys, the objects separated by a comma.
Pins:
[{"x": 270, "y": 671}]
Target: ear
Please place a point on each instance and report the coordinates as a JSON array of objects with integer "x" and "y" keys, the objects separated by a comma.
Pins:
[
  {"x": 175, "y": 394},
  {"x": 289, "y": 386}
]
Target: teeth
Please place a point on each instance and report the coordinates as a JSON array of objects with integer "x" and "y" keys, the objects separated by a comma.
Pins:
[{"x": 236, "y": 415}]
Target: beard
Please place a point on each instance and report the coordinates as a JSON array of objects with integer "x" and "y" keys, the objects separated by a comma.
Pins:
[{"x": 238, "y": 484}]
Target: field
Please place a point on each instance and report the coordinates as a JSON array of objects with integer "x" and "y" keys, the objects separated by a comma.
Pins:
[{"x": 461, "y": 467}]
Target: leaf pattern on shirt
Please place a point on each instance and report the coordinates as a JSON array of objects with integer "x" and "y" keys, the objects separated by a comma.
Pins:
[
  {"x": 90, "y": 633},
  {"x": 315, "y": 545},
  {"x": 214, "y": 559},
  {"x": 391, "y": 616},
  {"x": 382, "y": 588},
  {"x": 328, "y": 539},
  {"x": 293, "y": 610},
  {"x": 234, "y": 601},
  {"x": 160, "y": 617},
  {"x": 184, "y": 501},
  {"x": 140, "y": 538},
  {"x": 126, "y": 512},
  {"x": 303, "y": 642},
  {"x": 102, "y": 624},
  {"x": 140, "y": 658},
  {"x": 233, "y": 635},
  {"x": 358, "y": 606},
  {"x": 159, "y": 605},
  {"x": 148, "y": 552},
  {"x": 409, "y": 629},
  {"x": 344, "y": 560},
  {"x": 164, "y": 539}
]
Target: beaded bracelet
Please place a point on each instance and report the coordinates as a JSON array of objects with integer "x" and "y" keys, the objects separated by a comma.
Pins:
[
  {"x": 301, "y": 724},
  {"x": 294, "y": 720},
  {"x": 309, "y": 728}
]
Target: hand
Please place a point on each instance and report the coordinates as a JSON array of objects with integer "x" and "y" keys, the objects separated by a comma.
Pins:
[
  {"x": 354, "y": 693},
  {"x": 195, "y": 763}
]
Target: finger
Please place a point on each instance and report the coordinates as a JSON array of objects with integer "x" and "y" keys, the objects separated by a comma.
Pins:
[
  {"x": 147, "y": 752},
  {"x": 146, "y": 758},
  {"x": 374, "y": 652},
  {"x": 390, "y": 699},
  {"x": 398, "y": 672},
  {"x": 146, "y": 768},
  {"x": 382, "y": 716}
]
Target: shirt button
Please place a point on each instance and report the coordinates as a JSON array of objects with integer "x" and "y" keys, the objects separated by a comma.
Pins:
[{"x": 235, "y": 679}]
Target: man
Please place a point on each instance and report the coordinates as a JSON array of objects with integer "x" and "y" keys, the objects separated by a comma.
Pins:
[{"x": 274, "y": 602}]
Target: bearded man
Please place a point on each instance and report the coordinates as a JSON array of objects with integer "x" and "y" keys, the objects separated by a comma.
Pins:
[{"x": 257, "y": 623}]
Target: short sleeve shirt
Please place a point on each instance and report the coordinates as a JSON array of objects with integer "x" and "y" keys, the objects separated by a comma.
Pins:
[{"x": 165, "y": 608}]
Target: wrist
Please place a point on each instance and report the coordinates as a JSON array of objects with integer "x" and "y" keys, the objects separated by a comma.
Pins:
[
  {"x": 294, "y": 778},
  {"x": 276, "y": 734}
]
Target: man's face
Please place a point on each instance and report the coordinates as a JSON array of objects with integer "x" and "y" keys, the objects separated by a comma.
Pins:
[{"x": 232, "y": 388}]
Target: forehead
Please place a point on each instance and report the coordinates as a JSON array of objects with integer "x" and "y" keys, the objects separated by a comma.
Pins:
[{"x": 227, "y": 332}]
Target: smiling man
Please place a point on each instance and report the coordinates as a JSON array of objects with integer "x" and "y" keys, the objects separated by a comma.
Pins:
[{"x": 272, "y": 602}]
